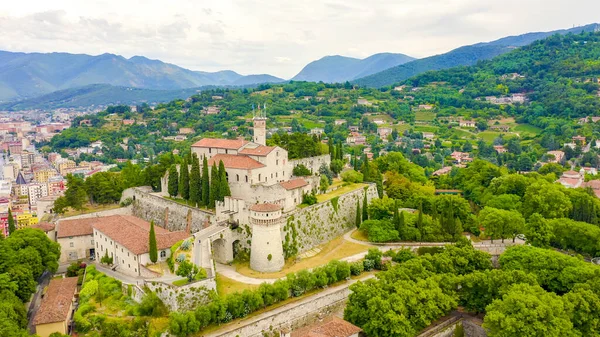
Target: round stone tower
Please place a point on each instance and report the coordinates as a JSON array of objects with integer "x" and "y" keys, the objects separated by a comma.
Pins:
[{"x": 266, "y": 253}]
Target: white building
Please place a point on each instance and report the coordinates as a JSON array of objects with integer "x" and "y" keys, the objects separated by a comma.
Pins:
[{"x": 36, "y": 191}]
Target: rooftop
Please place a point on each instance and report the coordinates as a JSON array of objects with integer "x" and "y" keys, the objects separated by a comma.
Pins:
[
  {"x": 45, "y": 226},
  {"x": 260, "y": 150},
  {"x": 56, "y": 304},
  {"x": 232, "y": 144},
  {"x": 329, "y": 327},
  {"x": 265, "y": 207},
  {"x": 235, "y": 161},
  {"x": 132, "y": 233},
  {"x": 293, "y": 184},
  {"x": 76, "y": 227}
]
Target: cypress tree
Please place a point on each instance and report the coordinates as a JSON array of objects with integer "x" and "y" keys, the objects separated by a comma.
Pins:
[
  {"x": 340, "y": 152},
  {"x": 173, "y": 181},
  {"x": 205, "y": 183},
  {"x": 356, "y": 168},
  {"x": 152, "y": 244},
  {"x": 401, "y": 225},
  {"x": 11, "y": 222},
  {"x": 357, "y": 221},
  {"x": 420, "y": 218},
  {"x": 365, "y": 168},
  {"x": 224, "y": 190},
  {"x": 365, "y": 209},
  {"x": 214, "y": 186},
  {"x": 195, "y": 183},
  {"x": 396, "y": 218},
  {"x": 184, "y": 180},
  {"x": 331, "y": 150}
]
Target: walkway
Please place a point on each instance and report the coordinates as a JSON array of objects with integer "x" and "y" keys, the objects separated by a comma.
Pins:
[{"x": 230, "y": 272}]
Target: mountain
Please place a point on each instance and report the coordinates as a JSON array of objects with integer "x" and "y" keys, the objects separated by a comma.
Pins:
[
  {"x": 27, "y": 75},
  {"x": 98, "y": 95},
  {"x": 463, "y": 56},
  {"x": 337, "y": 68}
]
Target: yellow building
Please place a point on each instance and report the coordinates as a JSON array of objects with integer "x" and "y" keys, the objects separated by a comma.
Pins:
[
  {"x": 56, "y": 309},
  {"x": 26, "y": 219},
  {"x": 42, "y": 176},
  {"x": 64, "y": 165}
]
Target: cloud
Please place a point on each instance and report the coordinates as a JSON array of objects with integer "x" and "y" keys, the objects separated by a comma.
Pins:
[{"x": 273, "y": 36}]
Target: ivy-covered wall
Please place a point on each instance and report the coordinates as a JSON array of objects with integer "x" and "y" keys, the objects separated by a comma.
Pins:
[
  {"x": 311, "y": 226},
  {"x": 183, "y": 298}
]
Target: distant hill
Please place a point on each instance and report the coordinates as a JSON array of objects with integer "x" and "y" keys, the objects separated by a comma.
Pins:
[
  {"x": 331, "y": 69},
  {"x": 27, "y": 75},
  {"x": 98, "y": 95},
  {"x": 463, "y": 56}
]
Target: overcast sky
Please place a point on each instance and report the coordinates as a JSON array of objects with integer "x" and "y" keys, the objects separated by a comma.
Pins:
[{"x": 277, "y": 37}]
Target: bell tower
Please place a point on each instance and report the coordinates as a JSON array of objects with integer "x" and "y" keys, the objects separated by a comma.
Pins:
[{"x": 260, "y": 126}]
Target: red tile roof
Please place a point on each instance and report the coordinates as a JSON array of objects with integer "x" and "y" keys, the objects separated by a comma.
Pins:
[
  {"x": 265, "y": 207},
  {"x": 56, "y": 304},
  {"x": 258, "y": 151},
  {"x": 132, "y": 233},
  {"x": 330, "y": 327},
  {"x": 76, "y": 227},
  {"x": 235, "y": 161},
  {"x": 45, "y": 226},
  {"x": 293, "y": 184},
  {"x": 232, "y": 144}
]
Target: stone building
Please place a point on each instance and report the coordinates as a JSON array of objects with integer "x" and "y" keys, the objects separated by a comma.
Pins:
[
  {"x": 75, "y": 239},
  {"x": 267, "y": 250},
  {"x": 56, "y": 310}
]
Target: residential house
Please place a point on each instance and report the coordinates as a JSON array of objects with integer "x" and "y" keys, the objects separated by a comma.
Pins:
[
  {"x": 128, "y": 121},
  {"x": 211, "y": 110},
  {"x": 339, "y": 122},
  {"x": 425, "y": 107},
  {"x": 579, "y": 140},
  {"x": 331, "y": 326},
  {"x": 588, "y": 170},
  {"x": 384, "y": 132},
  {"x": 76, "y": 239},
  {"x": 379, "y": 121},
  {"x": 442, "y": 171},
  {"x": 317, "y": 131},
  {"x": 468, "y": 124},
  {"x": 428, "y": 135},
  {"x": 186, "y": 131},
  {"x": 460, "y": 157},
  {"x": 362, "y": 101},
  {"x": 500, "y": 149},
  {"x": 571, "y": 179},
  {"x": 57, "y": 307},
  {"x": 588, "y": 119}
]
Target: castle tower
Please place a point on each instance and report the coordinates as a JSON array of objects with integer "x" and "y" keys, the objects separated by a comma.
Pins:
[
  {"x": 266, "y": 254},
  {"x": 260, "y": 127}
]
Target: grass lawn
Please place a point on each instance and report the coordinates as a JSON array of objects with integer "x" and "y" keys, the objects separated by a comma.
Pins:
[
  {"x": 340, "y": 191},
  {"x": 335, "y": 249},
  {"x": 489, "y": 136},
  {"x": 426, "y": 128},
  {"x": 402, "y": 127},
  {"x": 360, "y": 235},
  {"x": 188, "y": 203},
  {"x": 424, "y": 116},
  {"x": 91, "y": 209},
  {"x": 181, "y": 282},
  {"x": 226, "y": 286},
  {"x": 526, "y": 129}
]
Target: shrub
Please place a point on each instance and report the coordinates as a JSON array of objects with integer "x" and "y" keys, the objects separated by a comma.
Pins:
[
  {"x": 368, "y": 265},
  {"x": 186, "y": 245},
  {"x": 201, "y": 275},
  {"x": 180, "y": 258},
  {"x": 152, "y": 305},
  {"x": 356, "y": 268},
  {"x": 403, "y": 255},
  {"x": 126, "y": 202},
  {"x": 352, "y": 176},
  {"x": 301, "y": 171},
  {"x": 374, "y": 255},
  {"x": 89, "y": 289},
  {"x": 309, "y": 199}
]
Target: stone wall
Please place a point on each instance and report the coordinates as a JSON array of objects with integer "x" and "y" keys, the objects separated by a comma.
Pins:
[
  {"x": 183, "y": 298},
  {"x": 325, "y": 221},
  {"x": 167, "y": 213},
  {"x": 312, "y": 163}
]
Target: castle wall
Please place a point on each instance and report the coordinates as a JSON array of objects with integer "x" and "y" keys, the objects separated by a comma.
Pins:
[
  {"x": 311, "y": 226},
  {"x": 186, "y": 297},
  {"x": 267, "y": 252},
  {"x": 312, "y": 163},
  {"x": 167, "y": 213}
]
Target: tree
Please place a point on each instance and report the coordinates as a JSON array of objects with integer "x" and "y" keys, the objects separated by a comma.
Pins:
[
  {"x": 205, "y": 183},
  {"x": 527, "y": 310},
  {"x": 365, "y": 210},
  {"x": 187, "y": 269},
  {"x": 224, "y": 190},
  {"x": 152, "y": 244},
  {"x": 336, "y": 166},
  {"x": 195, "y": 182},
  {"x": 547, "y": 199},
  {"x": 11, "y": 222},
  {"x": 184, "y": 180},
  {"x": 173, "y": 186},
  {"x": 75, "y": 195},
  {"x": 323, "y": 184},
  {"x": 358, "y": 217},
  {"x": 538, "y": 231},
  {"x": 214, "y": 186},
  {"x": 500, "y": 223},
  {"x": 301, "y": 171}
]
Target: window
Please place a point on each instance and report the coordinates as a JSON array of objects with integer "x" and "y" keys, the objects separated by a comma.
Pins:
[
  {"x": 127, "y": 254},
  {"x": 237, "y": 177},
  {"x": 277, "y": 162},
  {"x": 134, "y": 258},
  {"x": 136, "y": 270},
  {"x": 96, "y": 244},
  {"x": 121, "y": 250},
  {"x": 123, "y": 261},
  {"x": 246, "y": 178},
  {"x": 163, "y": 253},
  {"x": 71, "y": 244},
  {"x": 92, "y": 242},
  {"x": 259, "y": 177},
  {"x": 209, "y": 150}
]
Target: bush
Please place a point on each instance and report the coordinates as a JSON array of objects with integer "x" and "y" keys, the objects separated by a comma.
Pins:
[
  {"x": 152, "y": 305},
  {"x": 309, "y": 199},
  {"x": 352, "y": 176},
  {"x": 374, "y": 255},
  {"x": 429, "y": 250},
  {"x": 301, "y": 171},
  {"x": 403, "y": 255},
  {"x": 186, "y": 245},
  {"x": 368, "y": 265},
  {"x": 356, "y": 268},
  {"x": 180, "y": 258},
  {"x": 126, "y": 202},
  {"x": 201, "y": 275}
]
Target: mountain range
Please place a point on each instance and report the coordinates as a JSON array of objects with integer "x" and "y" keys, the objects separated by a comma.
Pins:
[
  {"x": 332, "y": 69},
  {"x": 27, "y": 75},
  {"x": 463, "y": 56},
  {"x": 51, "y": 80}
]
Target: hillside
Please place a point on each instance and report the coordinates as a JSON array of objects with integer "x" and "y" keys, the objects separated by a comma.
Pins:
[
  {"x": 27, "y": 75},
  {"x": 463, "y": 56},
  {"x": 336, "y": 69},
  {"x": 97, "y": 95}
]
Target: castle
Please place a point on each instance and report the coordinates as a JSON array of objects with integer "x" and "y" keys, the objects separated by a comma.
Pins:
[{"x": 263, "y": 188}]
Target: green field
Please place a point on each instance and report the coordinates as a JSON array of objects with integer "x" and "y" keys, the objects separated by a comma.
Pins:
[
  {"x": 489, "y": 136},
  {"x": 426, "y": 116},
  {"x": 526, "y": 129},
  {"x": 426, "y": 128}
]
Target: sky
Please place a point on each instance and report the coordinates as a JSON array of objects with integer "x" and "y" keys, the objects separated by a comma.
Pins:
[{"x": 278, "y": 37}]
